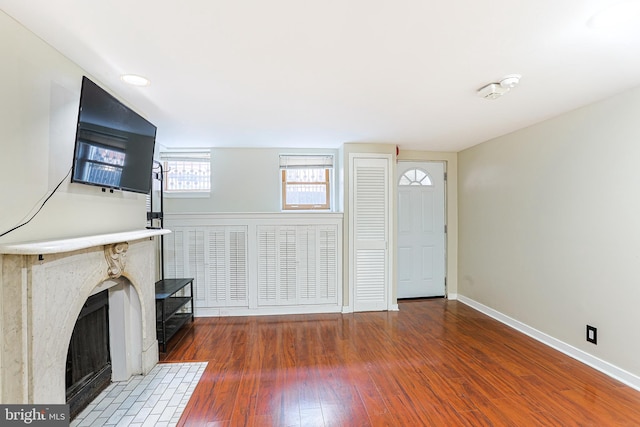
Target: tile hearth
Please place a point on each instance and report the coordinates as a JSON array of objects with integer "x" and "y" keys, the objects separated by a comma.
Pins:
[{"x": 156, "y": 399}]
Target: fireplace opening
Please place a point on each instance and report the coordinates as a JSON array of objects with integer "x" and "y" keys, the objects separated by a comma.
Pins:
[{"x": 88, "y": 369}]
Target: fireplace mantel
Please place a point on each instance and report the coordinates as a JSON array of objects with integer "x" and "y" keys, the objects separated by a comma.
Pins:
[
  {"x": 76, "y": 243},
  {"x": 43, "y": 286}
]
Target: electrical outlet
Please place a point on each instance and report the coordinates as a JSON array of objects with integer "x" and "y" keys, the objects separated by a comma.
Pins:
[{"x": 592, "y": 334}]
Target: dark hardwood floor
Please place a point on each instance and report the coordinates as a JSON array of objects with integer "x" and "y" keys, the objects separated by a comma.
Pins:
[{"x": 433, "y": 363}]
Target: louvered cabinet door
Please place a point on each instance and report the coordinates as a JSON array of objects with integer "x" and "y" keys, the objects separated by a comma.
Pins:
[
  {"x": 216, "y": 267},
  {"x": 277, "y": 265},
  {"x": 317, "y": 264},
  {"x": 196, "y": 265},
  {"x": 370, "y": 233},
  {"x": 226, "y": 260},
  {"x": 216, "y": 257},
  {"x": 267, "y": 277},
  {"x": 174, "y": 256},
  {"x": 327, "y": 269},
  {"x": 236, "y": 271},
  {"x": 307, "y": 265},
  {"x": 291, "y": 265},
  {"x": 184, "y": 256},
  {"x": 287, "y": 265}
]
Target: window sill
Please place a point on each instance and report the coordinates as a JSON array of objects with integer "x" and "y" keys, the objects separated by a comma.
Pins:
[
  {"x": 186, "y": 195},
  {"x": 318, "y": 211}
]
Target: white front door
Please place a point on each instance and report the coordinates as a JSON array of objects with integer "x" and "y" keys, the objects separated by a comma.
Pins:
[{"x": 421, "y": 229}]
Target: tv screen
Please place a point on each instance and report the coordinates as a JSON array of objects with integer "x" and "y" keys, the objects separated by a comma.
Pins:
[{"x": 114, "y": 145}]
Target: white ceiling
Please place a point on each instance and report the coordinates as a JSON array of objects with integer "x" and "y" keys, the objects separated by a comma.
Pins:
[{"x": 302, "y": 73}]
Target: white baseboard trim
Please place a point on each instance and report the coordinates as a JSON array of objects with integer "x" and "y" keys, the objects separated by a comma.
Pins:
[
  {"x": 452, "y": 296},
  {"x": 606, "y": 368},
  {"x": 265, "y": 311},
  {"x": 394, "y": 307}
]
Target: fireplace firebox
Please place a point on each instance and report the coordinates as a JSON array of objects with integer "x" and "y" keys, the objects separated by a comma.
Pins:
[{"x": 88, "y": 370}]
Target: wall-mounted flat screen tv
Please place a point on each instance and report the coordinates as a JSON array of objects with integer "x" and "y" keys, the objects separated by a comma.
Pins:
[{"x": 114, "y": 145}]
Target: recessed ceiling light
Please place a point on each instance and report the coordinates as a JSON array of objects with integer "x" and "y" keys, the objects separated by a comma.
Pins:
[
  {"x": 135, "y": 80},
  {"x": 618, "y": 14}
]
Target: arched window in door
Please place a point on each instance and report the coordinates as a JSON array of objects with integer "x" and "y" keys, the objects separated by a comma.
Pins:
[{"x": 415, "y": 177}]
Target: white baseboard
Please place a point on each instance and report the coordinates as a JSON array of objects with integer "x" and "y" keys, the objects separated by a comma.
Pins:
[
  {"x": 265, "y": 311},
  {"x": 452, "y": 296},
  {"x": 606, "y": 368}
]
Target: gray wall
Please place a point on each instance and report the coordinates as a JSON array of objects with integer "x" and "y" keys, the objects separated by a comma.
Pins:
[
  {"x": 39, "y": 95},
  {"x": 243, "y": 180},
  {"x": 549, "y": 223}
]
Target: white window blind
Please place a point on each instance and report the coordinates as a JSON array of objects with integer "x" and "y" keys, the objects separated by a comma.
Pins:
[{"x": 306, "y": 161}]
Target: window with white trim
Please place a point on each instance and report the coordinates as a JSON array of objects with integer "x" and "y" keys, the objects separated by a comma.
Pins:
[
  {"x": 306, "y": 182},
  {"x": 186, "y": 171}
]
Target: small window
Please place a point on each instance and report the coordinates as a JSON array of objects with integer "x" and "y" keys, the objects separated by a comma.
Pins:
[
  {"x": 306, "y": 182},
  {"x": 187, "y": 172},
  {"x": 415, "y": 177}
]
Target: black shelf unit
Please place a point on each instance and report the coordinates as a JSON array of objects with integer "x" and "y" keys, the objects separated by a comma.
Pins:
[
  {"x": 170, "y": 316},
  {"x": 171, "y": 303}
]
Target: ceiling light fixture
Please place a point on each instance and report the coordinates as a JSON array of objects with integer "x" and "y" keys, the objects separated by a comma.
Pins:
[
  {"x": 510, "y": 81},
  {"x": 497, "y": 89},
  {"x": 135, "y": 80}
]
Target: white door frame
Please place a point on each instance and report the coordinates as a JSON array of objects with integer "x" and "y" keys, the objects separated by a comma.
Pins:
[{"x": 444, "y": 162}]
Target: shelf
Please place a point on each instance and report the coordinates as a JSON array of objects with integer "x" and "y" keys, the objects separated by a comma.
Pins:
[
  {"x": 171, "y": 306},
  {"x": 167, "y": 287},
  {"x": 172, "y": 326},
  {"x": 169, "y": 318}
]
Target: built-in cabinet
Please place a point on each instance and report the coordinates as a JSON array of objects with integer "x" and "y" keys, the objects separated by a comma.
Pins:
[
  {"x": 216, "y": 257},
  {"x": 257, "y": 263},
  {"x": 297, "y": 265}
]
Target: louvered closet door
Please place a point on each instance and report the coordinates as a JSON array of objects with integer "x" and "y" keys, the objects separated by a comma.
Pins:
[{"x": 370, "y": 222}]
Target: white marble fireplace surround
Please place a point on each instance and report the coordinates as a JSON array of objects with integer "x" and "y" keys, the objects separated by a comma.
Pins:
[{"x": 43, "y": 286}]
